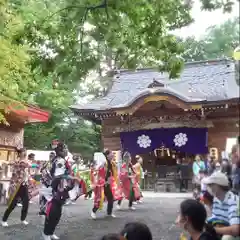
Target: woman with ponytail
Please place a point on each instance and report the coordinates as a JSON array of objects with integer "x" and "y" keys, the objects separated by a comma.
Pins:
[{"x": 192, "y": 219}]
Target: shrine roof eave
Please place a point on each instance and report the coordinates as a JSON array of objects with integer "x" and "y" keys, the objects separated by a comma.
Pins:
[
  {"x": 209, "y": 82},
  {"x": 37, "y": 115},
  {"x": 24, "y": 113},
  {"x": 191, "y": 101}
]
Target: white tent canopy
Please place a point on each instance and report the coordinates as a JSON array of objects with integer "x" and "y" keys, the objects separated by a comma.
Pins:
[{"x": 44, "y": 155}]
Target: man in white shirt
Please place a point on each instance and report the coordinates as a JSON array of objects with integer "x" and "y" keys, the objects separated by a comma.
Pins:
[{"x": 225, "y": 206}]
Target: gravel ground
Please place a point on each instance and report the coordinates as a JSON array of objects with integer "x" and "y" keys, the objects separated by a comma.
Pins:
[{"x": 158, "y": 211}]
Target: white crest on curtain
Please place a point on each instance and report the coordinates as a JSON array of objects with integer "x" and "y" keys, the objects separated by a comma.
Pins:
[
  {"x": 180, "y": 139},
  {"x": 144, "y": 141}
]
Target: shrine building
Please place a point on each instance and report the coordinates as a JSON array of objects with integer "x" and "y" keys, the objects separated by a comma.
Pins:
[
  {"x": 146, "y": 113},
  {"x": 11, "y": 135}
]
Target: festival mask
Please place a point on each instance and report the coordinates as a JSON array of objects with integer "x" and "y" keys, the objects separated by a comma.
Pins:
[{"x": 60, "y": 166}]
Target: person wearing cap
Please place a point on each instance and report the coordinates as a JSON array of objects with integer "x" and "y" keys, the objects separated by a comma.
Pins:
[{"x": 225, "y": 206}]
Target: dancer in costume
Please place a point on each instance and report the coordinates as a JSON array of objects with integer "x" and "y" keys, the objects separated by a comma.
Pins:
[
  {"x": 33, "y": 190},
  {"x": 80, "y": 187},
  {"x": 129, "y": 182},
  {"x": 104, "y": 181},
  {"x": 87, "y": 178},
  {"x": 18, "y": 188},
  {"x": 32, "y": 185},
  {"x": 139, "y": 174},
  {"x": 45, "y": 193},
  {"x": 61, "y": 184}
]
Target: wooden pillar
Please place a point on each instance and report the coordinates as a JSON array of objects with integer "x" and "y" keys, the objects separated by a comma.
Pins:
[
  {"x": 217, "y": 136},
  {"x": 111, "y": 142}
]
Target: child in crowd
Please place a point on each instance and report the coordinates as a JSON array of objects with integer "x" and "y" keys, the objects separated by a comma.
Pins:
[
  {"x": 136, "y": 231},
  {"x": 192, "y": 219},
  {"x": 203, "y": 174},
  {"x": 205, "y": 196},
  {"x": 198, "y": 193},
  {"x": 112, "y": 237},
  {"x": 131, "y": 231}
]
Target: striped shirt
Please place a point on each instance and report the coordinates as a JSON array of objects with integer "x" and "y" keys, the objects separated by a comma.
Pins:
[{"x": 227, "y": 210}]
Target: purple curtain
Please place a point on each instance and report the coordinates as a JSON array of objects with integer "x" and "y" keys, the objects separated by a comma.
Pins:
[{"x": 188, "y": 140}]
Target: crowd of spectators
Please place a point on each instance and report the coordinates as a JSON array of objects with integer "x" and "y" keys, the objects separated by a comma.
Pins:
[{"x": 221, "y": 184}]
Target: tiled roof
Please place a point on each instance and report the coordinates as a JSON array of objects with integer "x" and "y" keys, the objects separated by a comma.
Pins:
[{"x": 199, "y": 81}]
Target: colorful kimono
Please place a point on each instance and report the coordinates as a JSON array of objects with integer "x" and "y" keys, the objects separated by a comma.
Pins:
[
  {"x": 19, "y": 176},
  {"x": 98, "y": 183},
  {"x": 139, "y": 173},
  {"x": 85, "y": 176},
  {"x": 79, "y": 188},
  {"x": 115, "y": 183},
  {"x": 129, "y": 182},
  {"x": 33, "y": 189}
]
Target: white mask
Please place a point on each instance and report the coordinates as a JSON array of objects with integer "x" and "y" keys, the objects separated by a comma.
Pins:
[{"x": 210, "y": 191}]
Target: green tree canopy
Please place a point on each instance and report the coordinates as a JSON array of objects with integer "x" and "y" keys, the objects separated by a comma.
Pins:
[
  {"x": 225, "y": 5},
  {"x": 15, "y": 74},
  {"x": 64, "y": 51},
  {"x": 218, "y": 42},
  {"x": 50, "y": 51}
]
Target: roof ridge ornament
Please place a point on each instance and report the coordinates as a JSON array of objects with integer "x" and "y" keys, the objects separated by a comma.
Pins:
[{"x": 155, "y": 84}]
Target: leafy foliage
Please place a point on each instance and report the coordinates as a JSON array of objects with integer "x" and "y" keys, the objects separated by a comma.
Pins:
[
  {"x": 219, "y": 42},
  {"x": 64, "y": 51},
  {"x": 81, "y": 137},
  {"x": 122, "y": 33},
  {"x": 50, "y": 54},
  {"x": 225, "y": 5},
  {"x": 15, "y": 77}
]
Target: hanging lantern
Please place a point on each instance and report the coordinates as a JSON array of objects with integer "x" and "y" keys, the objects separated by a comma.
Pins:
[{"x": 236, "y": 56}]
